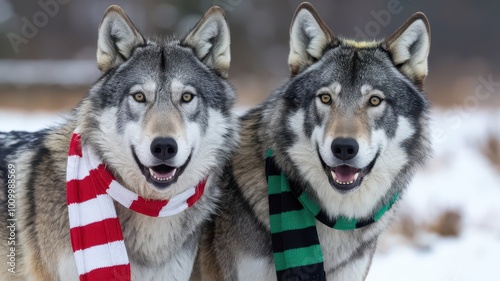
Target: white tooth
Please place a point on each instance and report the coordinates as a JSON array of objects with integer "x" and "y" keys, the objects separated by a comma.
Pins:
[
  {"x": 161, "y": 179},
  {"x": 356, "y": 176},
  {"x": 173, "y": 174},
  {"x": 334, "y": 176}
]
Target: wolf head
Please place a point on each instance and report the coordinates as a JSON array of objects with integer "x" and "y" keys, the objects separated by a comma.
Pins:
[
  {"x": 354, "y": 121},
  {"x": 160, "y": 116}
]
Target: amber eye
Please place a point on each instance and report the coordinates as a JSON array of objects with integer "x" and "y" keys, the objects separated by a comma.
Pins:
[
  {"x": 325, "y": 98},
  {"x": 187, "y": 97},
  {"x": 139, "y": 97},
  {"x": 375, "y": 101}
]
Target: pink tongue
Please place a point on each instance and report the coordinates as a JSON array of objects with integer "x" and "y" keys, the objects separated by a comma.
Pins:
[
  {"x": 163, "y": 175},
  {"x": 345, "y": 173}
]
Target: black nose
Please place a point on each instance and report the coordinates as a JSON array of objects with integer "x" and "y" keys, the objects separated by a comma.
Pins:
[
  {"x": 164, "y": 148},
  {"x": 345, "y": 148}
]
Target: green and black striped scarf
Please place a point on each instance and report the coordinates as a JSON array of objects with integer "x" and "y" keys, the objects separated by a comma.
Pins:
[{"x": 296, "y": 248}]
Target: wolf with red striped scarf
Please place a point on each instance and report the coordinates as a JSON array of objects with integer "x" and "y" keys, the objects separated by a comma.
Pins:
[{"x": 120, "y": 189}]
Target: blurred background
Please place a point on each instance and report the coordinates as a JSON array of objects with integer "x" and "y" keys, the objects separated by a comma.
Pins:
[{"x": 448, "y": 226}]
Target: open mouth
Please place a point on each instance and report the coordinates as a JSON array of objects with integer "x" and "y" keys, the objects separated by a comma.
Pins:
[
  {"x": 345, "y": 175},
  {"x": 163, "y": 173},
  {"x": 161, "y": 176},
  {"x": 346, "y": 178}
]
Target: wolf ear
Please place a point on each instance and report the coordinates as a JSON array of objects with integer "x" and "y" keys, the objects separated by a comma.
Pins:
[
  {"x": 409, "y": 47},
  {"x": 309, "y": 36},
  {"x": 117, "y": 38},
  {"x": 210, "y": 41}
]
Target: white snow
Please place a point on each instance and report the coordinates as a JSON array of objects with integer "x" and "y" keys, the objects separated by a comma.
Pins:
[
  {"x": 23, "y": 121},
  {"x": 475, "y": 255},
  {"x": 459, "y": 177}
]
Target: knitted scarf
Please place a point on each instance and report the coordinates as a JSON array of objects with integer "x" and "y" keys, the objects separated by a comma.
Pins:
[
  {"x": 296, "y": 249},
  {"x": 96, "y": 234}
]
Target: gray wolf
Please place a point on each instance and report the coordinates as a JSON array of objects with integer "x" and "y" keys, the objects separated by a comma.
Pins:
[
  {"x": 347, "y": 130},
  {"x": 160, "y": 120}
]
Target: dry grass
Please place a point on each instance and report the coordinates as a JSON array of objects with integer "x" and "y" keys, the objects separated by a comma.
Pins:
[
  {"x": 40, "y": 97},
  {"x": 405, "y": 226},
  {"x": 491, "y": 149},
  {"x": 447, "y": 224}
]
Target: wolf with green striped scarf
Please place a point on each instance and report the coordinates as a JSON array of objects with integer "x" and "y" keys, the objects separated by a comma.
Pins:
[{"x": 324, "y": 160}]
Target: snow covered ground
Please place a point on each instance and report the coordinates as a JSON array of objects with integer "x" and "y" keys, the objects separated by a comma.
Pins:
[{"x": 459, "y": 177}]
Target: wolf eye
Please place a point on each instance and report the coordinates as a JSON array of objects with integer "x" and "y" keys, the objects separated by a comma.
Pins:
[
  {"x": 139, "y": 97},
  {"x": 187, "y": 97},
  {"x": 375, "y": 101},
  {"x": 325, "y": 98}
]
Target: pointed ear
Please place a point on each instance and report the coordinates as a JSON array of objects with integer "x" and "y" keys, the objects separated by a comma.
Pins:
[
  {"x": 210, "y": 41},
  {"x": 117, "y": 38},
  {"x": 309, "y": 36},
  {"x": 409, "y": 47}
]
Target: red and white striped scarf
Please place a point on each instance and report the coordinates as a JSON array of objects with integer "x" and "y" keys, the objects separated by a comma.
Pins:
[{"x": 96, "y": 235}]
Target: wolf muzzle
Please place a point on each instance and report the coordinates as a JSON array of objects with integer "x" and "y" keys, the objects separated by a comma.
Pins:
[
  {"x": 164, "y": 148},
  {"x": 345, "y": 148}
]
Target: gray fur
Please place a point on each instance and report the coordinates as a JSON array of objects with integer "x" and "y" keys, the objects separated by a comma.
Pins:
[
  {"x": 236, "y": 244},
  {"x": 158, "y": 248}
]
